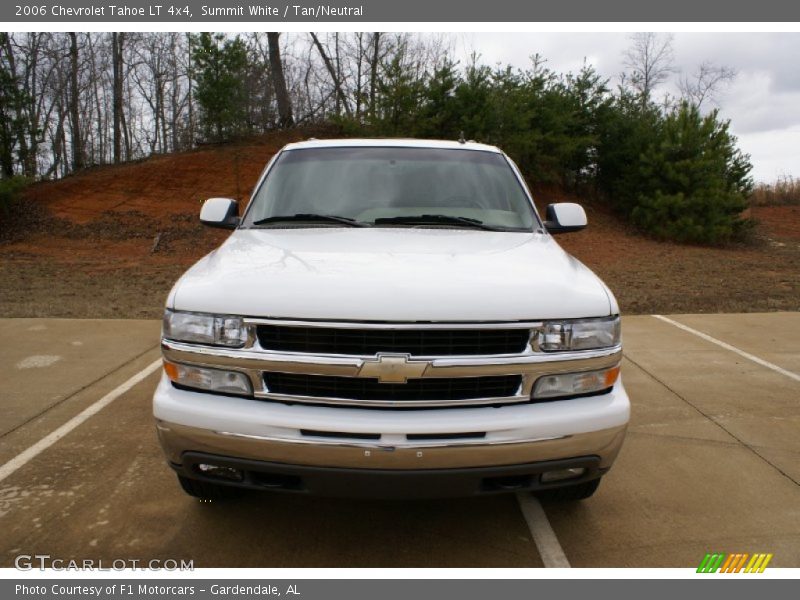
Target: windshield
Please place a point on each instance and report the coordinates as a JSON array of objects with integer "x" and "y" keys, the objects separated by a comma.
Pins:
[{"x": 395, "y": 186}]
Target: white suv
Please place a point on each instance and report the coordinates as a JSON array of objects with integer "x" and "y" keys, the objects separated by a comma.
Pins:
[{"x": 391, "y": 318}]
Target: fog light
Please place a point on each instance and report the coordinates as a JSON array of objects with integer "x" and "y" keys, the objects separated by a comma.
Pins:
[
  {"x": 214, "y": 380},
  {"x": 575, "y": 384},
  {"x": 219, "y": 472},
  {"x": 563, "y": 474}
]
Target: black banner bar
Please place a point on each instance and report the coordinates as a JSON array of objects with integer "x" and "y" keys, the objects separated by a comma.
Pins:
[
  {"x": 704, "y": 586},
  {"x": 473, "y": 11}
]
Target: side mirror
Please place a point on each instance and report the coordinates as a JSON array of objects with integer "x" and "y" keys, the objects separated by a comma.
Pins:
[
  {"x": 220, "y": 212},
  {"x": 565, "y": 217}
]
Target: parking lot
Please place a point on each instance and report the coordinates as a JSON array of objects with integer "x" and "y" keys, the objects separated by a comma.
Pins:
[{"x": 711, "y": 463}]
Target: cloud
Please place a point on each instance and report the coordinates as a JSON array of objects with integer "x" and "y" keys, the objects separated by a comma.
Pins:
[
  {"x": 775, "y": 53},
  {"x": 778, "y": 153},
  {"x": 753, "y": 104},
  {"x": 763, "y": 103}
]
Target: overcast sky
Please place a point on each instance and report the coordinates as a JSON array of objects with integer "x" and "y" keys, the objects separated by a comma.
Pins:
[{"x": 763, "y": 103}]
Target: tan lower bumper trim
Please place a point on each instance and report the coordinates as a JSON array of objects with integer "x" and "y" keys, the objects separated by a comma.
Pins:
[{"x": 177, "y": 439}]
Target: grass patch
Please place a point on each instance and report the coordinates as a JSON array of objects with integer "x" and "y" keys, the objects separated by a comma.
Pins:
[{"x": 785, "y": 191}]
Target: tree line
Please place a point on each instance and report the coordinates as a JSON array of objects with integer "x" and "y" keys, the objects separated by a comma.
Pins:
[{"x": 668, "y": 164}]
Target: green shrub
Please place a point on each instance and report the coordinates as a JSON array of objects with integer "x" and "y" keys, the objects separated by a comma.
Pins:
[
  {"x": 10, "y": 190},
  {"x": 680, "y": 176}
]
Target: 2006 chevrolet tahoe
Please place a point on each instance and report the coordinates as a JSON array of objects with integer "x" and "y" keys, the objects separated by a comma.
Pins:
[{"x": 391, "y": 318}]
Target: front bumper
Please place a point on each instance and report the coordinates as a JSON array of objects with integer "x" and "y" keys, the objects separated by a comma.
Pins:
[
  {"x": 388, "y": 483},
  {"x": 388, "y": 443}
]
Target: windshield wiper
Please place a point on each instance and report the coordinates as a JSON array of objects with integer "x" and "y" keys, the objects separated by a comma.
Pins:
[
  {"x": 311, "y": 217},
  {"x": 436, "y": 220}
]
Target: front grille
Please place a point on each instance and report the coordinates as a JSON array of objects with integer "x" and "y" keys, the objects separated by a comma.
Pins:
[
  {"x": 416, "y": 342},
  {"x": 362, "y": 388}
]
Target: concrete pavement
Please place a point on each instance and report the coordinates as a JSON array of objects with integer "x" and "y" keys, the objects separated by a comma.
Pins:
[
  {"x": 710, "y": 464},
  {"x": 50, "y": 369},
  {"x": 712, "y": 458}
]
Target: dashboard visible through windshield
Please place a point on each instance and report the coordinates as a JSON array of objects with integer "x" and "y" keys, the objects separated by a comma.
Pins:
[{"x": 391, "y": 186}]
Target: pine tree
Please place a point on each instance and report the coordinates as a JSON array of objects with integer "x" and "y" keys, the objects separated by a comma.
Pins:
[
  {"x": 220, "y": 69},
  {"x": 694, "y": 180}
]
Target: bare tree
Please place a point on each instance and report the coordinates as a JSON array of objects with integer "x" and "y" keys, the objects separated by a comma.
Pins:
[
  {"x": 95, "y": 112},
  {"x": 54, "y": 86},
  {"x": 77, "y": 98},
  {"x": 13, "y": 130},
  {"x": 74, "y": 103},
  {"x": 706, "y": 83},
  {"x": 260, "y": 91},
  {"x": 341, "y": 97},
  {"x": 374, "y": 62},
  {"x": 161, "y": 77},
  {"x": 279, "y": 80},
  {"x": 190, "y": 92},
  {"x": 650, "y": 62},
  {"x": 117, "y": 42}
]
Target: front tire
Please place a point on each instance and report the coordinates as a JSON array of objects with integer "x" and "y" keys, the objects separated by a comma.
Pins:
[{"x": 208, "y": 491}]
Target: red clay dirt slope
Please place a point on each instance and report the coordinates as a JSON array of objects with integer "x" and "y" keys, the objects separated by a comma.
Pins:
[{"x": 110, "y": 241}]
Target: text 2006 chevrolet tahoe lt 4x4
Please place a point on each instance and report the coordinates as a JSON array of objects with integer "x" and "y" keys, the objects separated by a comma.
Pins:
[{"x": 391, "y": 318}]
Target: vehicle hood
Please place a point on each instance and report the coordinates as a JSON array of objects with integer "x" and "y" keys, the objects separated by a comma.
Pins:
[{"x": 391, "y": 274}]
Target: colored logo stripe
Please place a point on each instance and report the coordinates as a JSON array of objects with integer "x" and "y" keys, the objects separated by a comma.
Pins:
[
  {"x": 710, "y": 563},
  {"x": 758, "y": 563},
  {"x": 732, "y": 559},
  {"x": 733, "y": 563}
]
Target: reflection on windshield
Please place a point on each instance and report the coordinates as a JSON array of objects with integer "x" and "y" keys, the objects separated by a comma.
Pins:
[{"x": 385, "y": 184}]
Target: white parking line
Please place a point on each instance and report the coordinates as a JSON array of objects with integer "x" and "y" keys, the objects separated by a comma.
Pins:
[
  {"x": 25, "y": 456},
  {"x": 542, "y": 533},
  {"x": 722, "y": 344}
]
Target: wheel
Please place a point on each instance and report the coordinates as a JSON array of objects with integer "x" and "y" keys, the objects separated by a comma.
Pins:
[
  {"x": 571, "y": 493},
  {"x": 208, "y": 491}
]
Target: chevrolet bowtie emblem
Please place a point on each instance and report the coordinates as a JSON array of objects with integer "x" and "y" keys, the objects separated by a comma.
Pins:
[{"x": 393, "y": 368}]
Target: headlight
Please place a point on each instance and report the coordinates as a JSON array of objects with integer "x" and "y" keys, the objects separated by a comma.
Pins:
[
  {"x": 575, "y": 384},
  {"x": 201, "y": 328},
  {"x": 583, "y": 334},
  {"x": 214, "y": 380}
]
